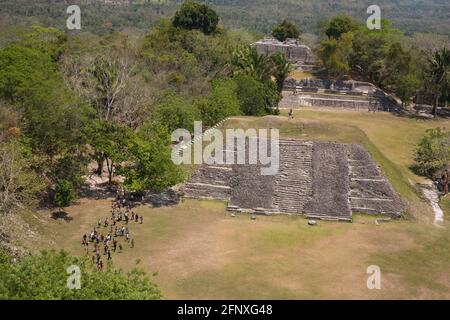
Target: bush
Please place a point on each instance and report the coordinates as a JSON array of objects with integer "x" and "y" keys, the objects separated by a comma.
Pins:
[
  {"x": 433, "y": 152},
  {"x": 64, "y": 194}
]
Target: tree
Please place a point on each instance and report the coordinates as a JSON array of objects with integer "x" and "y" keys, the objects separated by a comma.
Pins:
[
  {"x": 110, "y": 76},
  {"x": 285, "y": 30},
  {"x": 23, "y": 72},
  {"x": 371, "y": 50},
  {"x": 109, "y": 142},
  {"x": 45, "y": 276},
  {"x": 64, "y": 194},
  {"x": 433, "y": 152},
  {"x": 251, "y": 94},
  {"x": 281, "y": 69},
  {"x": 19, "y": 184},
  {"x": 247, "y": 60},
  {"x": 406, "y": 87},
  {"x": 221, "y": 102},
  {"x": 149, "y": 165},
  {"x": 439, "y": 76},
  {"x": 51, "y": 116},
  {"x": 176, "y": 112},
  {"x": 339, "y": 25},
  {"x": 193, "y": 15},
  {"x": 334, "y": 55}
]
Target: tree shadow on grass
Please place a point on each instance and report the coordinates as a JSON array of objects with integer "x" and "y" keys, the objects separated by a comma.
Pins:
[{"x": 61, "y": 215}]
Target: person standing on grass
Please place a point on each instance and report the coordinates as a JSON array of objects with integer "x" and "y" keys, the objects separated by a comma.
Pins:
[
  {"x": 132, "y": 243},
  {"x": 142, "y": 219}
]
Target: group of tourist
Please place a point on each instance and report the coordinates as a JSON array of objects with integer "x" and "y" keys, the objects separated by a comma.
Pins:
[{"x": 118, "y": 224}]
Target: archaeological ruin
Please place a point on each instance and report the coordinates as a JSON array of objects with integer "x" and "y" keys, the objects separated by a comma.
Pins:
[
  {"x": 291, "y": 48},
  {"x": 321, "y": 180},
  {"x": 332, "y": 94}
]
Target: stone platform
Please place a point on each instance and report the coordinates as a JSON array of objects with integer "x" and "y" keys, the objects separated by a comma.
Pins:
[{"x": 321, "y": 180}]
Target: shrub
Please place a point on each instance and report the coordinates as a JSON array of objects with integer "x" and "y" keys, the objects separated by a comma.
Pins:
[
  {"x": 64, "y": 194},
  {"x": 433, "y": 152}
]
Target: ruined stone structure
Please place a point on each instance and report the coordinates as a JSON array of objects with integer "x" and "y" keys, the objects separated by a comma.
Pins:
[
  {"x": 313, "y": 97},
  {"x": 292, "y": 50},
  {"x": 321, "y": 180}
]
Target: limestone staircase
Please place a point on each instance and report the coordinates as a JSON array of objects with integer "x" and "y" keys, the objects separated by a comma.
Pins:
[{"x": 293, "y": 184}]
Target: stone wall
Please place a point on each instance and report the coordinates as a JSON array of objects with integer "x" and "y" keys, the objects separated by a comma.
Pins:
[{"x": 332, "y": 100}]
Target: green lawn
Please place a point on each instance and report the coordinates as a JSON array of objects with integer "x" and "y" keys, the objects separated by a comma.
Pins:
[{"x": 196, "y": 250}]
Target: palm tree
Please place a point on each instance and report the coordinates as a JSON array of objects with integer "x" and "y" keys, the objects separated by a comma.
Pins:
[
  {"x": 439, "y": 70},
  {"x": 281, "y": 69},
  {"x": 247, "y": 60}
]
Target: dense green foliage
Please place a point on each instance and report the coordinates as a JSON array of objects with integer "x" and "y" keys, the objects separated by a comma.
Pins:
[
  {"x": 149, "y": 165},
  {"x": 285, "y": 30},
  {"x": 386, "y": 58},
  {"x": 44, "y": 276},
  {"x": 258, "y": 15},
  {"x": 19, "y": 183},
  {"x": 193, "y": 15},
  {"x": 78, "y": 100},
  {"x": 433, "y": 152},
  {"x": 177, "y": 112},
  {"x": 339, "y": 25},
  {"x": 222, "y": 102}
]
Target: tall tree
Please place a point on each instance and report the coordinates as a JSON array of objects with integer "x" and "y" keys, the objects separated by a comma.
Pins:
[
  {"x": 439, "y": 75},
  {"x": 335, "y": 55},
  {"x": 281, "y": 69},
  {"x": 339, "y": 25},
  {"x": 285, "y": 30},
  {"x": 194, "y": 15},
  {"x": 149, "y": 165},
  {"x": 247, "y": 60},
  {"x": 19, "y": 184}
]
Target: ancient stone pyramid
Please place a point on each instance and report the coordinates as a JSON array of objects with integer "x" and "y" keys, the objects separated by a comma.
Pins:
[{"x": 321, "y": 180}]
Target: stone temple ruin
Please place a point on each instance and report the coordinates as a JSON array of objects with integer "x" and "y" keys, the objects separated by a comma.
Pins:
[
  {"x": 321, "y": 180},
  {"x": 292, "y": 50},
  {"x": 336, "y": 94}
]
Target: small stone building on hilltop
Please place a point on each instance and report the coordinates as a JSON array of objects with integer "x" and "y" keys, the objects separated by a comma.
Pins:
[{"x": 291, "y": 48}]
